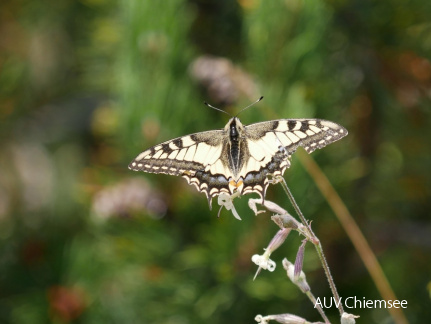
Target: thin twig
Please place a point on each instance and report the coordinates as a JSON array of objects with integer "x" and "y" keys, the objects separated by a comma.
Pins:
[{"x": 317, "y": 245}]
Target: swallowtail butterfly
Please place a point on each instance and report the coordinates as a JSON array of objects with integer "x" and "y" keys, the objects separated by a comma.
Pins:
[{"x": 237, "y": 158}]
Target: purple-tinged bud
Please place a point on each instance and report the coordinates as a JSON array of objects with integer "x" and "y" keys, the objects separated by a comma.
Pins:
[{"x": 299, "y": 259}]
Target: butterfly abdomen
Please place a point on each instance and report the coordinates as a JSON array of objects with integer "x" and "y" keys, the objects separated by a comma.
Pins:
[{"x": 237, "y": 146}]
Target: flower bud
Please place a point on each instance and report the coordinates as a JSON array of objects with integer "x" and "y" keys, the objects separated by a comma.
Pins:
[
  {"x": 300, "y": 281},
  {"x": 299, "y": 259},
  {"x": 348, "y": 318}
]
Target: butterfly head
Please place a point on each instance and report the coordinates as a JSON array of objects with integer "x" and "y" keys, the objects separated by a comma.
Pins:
[{"x": 235, "y": 128}]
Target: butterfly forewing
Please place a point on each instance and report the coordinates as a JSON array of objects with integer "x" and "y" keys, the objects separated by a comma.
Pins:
[
  {"x": 291, "y": 133},
  {"x": 183, "y": 154}
]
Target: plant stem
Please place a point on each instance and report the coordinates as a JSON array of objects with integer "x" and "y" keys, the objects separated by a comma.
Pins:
[{"x": 317, "y": 245}]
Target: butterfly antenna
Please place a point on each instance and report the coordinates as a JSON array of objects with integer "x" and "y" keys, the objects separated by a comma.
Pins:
[
  {"x": 207, "y": 104},
  {"x": 253, "y": 103}
]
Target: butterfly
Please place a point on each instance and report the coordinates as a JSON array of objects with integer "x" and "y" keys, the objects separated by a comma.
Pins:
[{"x": 238, "y": 158}]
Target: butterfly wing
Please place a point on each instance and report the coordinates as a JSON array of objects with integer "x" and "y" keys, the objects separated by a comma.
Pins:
[
  {"x": 291, "y": 133},
  {"x": 271, "y": 143},
  {"x": 196, "y": 157}
]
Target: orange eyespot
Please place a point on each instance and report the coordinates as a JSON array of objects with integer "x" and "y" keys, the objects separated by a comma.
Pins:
[{"x": 236, "y": 184}]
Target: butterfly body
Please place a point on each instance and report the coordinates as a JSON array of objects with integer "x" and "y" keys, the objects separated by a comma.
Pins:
[{"x": 237, "y": 158}]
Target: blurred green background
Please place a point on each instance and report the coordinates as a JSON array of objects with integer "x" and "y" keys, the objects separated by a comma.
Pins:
[{"x": 85, "y": 85}]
